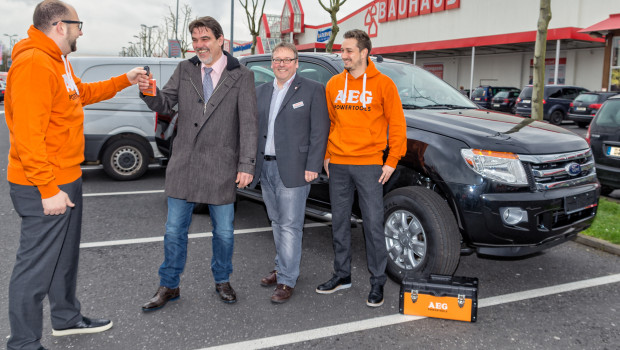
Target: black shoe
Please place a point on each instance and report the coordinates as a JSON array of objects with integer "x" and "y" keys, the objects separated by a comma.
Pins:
[
  {"x": 334, "y": 284},
  {"x": 85, "y": 326},
  {"x": 375, "y": 297}
]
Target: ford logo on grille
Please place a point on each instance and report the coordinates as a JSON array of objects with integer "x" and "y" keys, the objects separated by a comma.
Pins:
[{"x": 573, "y": 169}]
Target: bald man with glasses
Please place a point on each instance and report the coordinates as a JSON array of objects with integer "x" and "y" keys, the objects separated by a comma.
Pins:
[{"x": 44, "y": 114}]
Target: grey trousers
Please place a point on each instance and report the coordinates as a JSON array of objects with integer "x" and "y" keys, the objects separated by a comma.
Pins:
[
  {"x": 343, "y": 181},
  {"x": 46, "y": 265}
]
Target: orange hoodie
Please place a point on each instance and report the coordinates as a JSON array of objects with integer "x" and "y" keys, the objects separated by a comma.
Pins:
[
  {"x": 360, "y": 111},
  {"x": 43, "y": 106}
]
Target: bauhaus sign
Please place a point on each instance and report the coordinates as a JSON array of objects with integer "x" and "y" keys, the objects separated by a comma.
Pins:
[{"x": 390, "y": 10}]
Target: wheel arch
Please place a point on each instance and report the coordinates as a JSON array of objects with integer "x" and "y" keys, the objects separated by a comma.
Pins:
[{"x": 132, "y": 136}]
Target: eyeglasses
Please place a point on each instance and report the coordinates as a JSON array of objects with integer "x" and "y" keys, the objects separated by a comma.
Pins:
[
  {"x": 283, "y": 60},
  {"x": 79, "y": 23}
]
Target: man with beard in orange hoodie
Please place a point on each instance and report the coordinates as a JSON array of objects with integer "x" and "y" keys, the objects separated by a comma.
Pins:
[
  {"x": 366, "y": 117},
  {"x": 44, "y": 115}
]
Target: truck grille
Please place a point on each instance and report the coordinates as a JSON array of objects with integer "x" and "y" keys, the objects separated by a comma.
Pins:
[{"x": 551, "y": 171}]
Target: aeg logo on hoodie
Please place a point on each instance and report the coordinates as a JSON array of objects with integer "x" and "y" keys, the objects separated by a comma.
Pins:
[{"x": 353, "y": 97}]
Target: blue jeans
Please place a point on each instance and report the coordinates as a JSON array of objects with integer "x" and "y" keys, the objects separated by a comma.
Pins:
[
  {"x": 286, "y": 209},
  {"x": 175, "y": 241}
]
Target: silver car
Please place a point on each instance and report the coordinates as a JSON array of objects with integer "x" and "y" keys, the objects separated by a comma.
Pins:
[{"x": 120, "y": 132}]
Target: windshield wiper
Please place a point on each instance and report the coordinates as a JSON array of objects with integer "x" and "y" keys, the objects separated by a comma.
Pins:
[
  {"x": 409, "y": 106},
  {"x": 448, "y": 106}
]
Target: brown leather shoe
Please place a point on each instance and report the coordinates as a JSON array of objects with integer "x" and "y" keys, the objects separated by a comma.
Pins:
[
  {"x": 226, "y": 292},
  {"x": 270, "y": 280},
  {"x": 161, "y": 297},
  {"x": 281, "y": 294}
]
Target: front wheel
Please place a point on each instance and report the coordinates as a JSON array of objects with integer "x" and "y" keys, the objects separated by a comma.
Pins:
[
  {"x": 125, "y": 159},
  {"x": 421, "y": 234},
  {"x": 583, "y": 125},
  {"x": 556, "y": 117}
]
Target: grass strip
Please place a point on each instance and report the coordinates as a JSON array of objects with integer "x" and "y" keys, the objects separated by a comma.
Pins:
[{"x": 606, "y": 225}]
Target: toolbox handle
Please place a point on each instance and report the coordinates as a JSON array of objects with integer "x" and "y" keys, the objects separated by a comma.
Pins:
[{"x": 444, "y": 278}]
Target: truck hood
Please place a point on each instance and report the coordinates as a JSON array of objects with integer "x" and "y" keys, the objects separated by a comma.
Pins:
[{"x": 494, "y": 131}]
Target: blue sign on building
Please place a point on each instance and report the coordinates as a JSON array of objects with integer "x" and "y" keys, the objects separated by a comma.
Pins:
[
  {"x": 242, "y": 47},
  {"x": 323, "y": 35}
]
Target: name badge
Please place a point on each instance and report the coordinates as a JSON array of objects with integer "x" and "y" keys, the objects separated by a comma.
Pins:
[{"x": 298, "y": 104}]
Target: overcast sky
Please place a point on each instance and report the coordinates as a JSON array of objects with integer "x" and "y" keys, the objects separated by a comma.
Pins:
[{"x": 111, "y": 24}]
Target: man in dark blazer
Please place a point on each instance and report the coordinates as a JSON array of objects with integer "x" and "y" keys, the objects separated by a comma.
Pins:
[
  {"x": 214, "y": 152},
  {"x": 293, "y": 130}
]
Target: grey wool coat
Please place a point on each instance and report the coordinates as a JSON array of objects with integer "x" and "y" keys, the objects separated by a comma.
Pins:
[{"x": 214, "y": 140}]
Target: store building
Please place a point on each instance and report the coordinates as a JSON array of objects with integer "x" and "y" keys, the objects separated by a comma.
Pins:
[{"x": 468, "y": 42}]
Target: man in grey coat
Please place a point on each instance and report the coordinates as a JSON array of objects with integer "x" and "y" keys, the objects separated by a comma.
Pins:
[
  {"x": 293, "y": 130},
  {"x": 214, "y": 152}
]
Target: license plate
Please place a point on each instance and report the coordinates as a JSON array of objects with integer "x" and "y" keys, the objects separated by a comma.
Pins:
[
  {"x": 526, "y": 101},
  {"x": 580, "y": 109},
  {"x": 496, "y": 105},
  {"x": 579, "y": 202},
  {"x": 476, "y": 98},
  {"x": 613, "y": 151}
]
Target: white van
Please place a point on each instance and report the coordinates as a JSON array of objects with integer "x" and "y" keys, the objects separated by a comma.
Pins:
[{"x": 120, "y": 132}]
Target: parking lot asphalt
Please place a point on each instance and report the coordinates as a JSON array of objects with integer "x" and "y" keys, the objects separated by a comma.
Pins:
[{"x": 562, "y": 298}]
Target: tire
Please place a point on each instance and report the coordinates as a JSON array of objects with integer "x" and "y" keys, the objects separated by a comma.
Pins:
[
  {"x": 419, "y": 220},
  {"x": 513, "y": 110},
  {"x": 125, "y": 159},
  {"x": 606, "y": 190},
  {"x": 556, "y": 117},
  {"x": 583, "y": 125}
]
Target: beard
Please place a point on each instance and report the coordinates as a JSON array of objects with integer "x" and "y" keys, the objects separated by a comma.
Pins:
[{"x": 207, "y": 61}]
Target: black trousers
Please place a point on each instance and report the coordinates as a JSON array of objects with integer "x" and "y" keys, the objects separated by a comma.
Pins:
[
  {"x": 46, "y": 265},
  {"x": 344, "y": 180}
]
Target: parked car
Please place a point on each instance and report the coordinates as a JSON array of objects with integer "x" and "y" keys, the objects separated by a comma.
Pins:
[
  {"x": 556, "y": 101},
  {"x": 483, "y": 94},
  {"x": 120, "y": 132},
  {"x": 604, "y": 139},
  {"x": 506, "y": 101},
  {"x": 2, "y": 88},
  {"x": 585, "y": 106},
  {"x": 471, "y": 181}
]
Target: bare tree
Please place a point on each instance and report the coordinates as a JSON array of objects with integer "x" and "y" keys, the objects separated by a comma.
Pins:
[
  {"x": 334, "y": 7},
  {"x": 171, "y": 29},
  {"x": 252, "y": 21},
  {"x": 540, "y": 49}
]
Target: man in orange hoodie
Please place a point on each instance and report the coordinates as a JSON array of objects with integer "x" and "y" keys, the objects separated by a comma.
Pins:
[
  {"x": 366, "y": 117},
  {"x": 44, "y": 115}
]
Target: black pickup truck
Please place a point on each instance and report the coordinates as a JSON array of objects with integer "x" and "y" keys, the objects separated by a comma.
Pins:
[{"x": 472, "y": 180}]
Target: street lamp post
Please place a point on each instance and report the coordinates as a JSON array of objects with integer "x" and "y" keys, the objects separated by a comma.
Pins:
[
  {"x": 149, "y": 52},
  {"x": 132, "y": 49},
  {"x": 140, "y": 46}
]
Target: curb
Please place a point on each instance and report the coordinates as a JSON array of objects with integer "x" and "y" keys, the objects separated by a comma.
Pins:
[{"x": 598, "y": 244}]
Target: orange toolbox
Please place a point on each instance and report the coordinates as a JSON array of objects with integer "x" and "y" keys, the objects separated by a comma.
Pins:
[{"x": 440, "y": 296}]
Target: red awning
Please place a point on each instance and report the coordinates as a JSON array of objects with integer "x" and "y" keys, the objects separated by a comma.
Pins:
[{"x": 604, "y": 27}]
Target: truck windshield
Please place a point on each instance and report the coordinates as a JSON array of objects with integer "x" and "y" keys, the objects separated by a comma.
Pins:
[{"x": 420, "y": 89}]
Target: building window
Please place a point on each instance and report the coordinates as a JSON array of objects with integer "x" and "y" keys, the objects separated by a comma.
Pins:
[{"x": 614, "y": 71}]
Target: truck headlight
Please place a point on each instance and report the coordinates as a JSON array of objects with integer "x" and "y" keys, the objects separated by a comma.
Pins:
[{"x": 503, "y": 167}]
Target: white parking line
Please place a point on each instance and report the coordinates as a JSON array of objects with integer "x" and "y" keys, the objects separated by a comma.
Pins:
[
  {"x": 384, "y": 321},
  {"x": 102, "y": 194},
  {"x": 190, "y": 236}
]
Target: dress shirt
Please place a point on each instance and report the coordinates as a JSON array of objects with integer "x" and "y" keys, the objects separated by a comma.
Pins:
[
  {"x": 218, "y": 69},
  {"x": 274, "y": 107}
]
